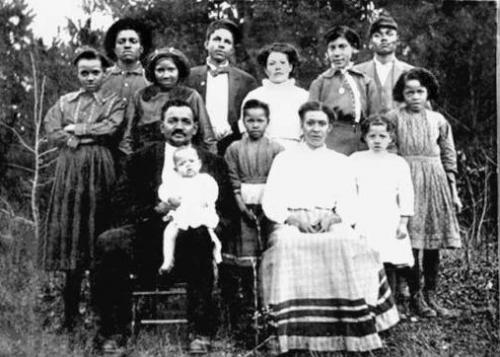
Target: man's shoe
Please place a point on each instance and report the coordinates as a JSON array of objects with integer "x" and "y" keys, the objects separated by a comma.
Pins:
[{"x": 420, "y": 307}]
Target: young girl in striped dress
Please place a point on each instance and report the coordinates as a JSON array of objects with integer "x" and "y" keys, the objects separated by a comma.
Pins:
[{"x": 425, "y": 140}]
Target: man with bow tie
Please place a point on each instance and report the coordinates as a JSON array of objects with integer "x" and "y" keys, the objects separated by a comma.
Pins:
[{"x": 222, "y": 86}]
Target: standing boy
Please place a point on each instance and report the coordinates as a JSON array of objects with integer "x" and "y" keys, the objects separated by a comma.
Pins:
[
  {"x": 127, "y": 41},
  {"x": 384, "y": 68},
  {"x": 222, "y": 86}
]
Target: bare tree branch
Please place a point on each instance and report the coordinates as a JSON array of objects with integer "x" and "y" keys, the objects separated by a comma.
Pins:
[
  {"x": 44, "y": 183},
  {"x": 50, "y": 151},
  {"x": 19, "y": 137},
  {"x": 487, "y": 175},
  {"x": 44, "y": 166},
  {"x": 8, "y": 205},
  {"x": 20, "y": 167}
]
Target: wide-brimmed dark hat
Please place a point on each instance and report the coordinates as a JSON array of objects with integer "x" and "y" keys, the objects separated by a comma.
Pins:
[
  {"x": 177, "y": 57},
  {"x": 144, "y": 32},
  {"x": 384, "y": 20},
  {"x": 88, "y": 52},
  {"x": 225, "y": 24}
]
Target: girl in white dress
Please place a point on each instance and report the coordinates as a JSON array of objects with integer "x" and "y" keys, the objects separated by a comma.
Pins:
[
  {"x": 195, "y": 193},
  {"x": 385, "y": 199}
]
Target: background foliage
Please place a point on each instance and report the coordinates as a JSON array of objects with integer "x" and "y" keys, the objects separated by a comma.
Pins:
[{"x": 454, "y": 39}]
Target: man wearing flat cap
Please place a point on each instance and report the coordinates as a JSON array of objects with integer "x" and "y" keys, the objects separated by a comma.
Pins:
[{"x": 384, "y": 68}]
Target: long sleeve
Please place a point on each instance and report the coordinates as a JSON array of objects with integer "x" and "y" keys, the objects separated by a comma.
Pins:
[
  {"x": 54, "y": 127},
  {"x": 315, "y": 90},
  {"x": 231, "y": 158},
  {"x": 308, "y": 179},
  {"x": 131, "y": 118},
  {"x": 205, "y": 127},
  {"x": 130, "y": 200},
  {"x": 141, "y": 182},
  {"x": 241, "y": 126},
  {"x": 347, "y": 196},
  {"x": 405, "y": 189},
  {"x": 274, "y": 200},
  {"x": 447, "y": 147},
  {"x": 225, "y": 206},
  {"x": 108, "y": 121},
  {"x": 371, "y": 97}
]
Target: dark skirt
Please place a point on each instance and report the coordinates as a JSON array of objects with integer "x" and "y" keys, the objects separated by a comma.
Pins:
[
  {"x": 79, "y": 208},
  {"x": 252, "y": 238}
]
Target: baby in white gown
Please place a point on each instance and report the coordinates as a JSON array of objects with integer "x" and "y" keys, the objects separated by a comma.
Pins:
[{"x": 196, "y": 194}]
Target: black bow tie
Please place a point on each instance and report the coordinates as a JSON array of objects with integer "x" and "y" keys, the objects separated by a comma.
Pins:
[{"x": 220, "y": 70}]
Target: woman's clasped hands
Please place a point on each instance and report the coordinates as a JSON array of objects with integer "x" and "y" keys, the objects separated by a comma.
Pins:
[{"x": 324, "y": 224}]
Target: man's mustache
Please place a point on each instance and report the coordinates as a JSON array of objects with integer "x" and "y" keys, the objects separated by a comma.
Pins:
[{"x": 178, "y": 131}]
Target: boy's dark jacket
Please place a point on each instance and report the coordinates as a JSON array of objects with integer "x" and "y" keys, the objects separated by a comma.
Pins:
[{"x": 240, "y": 83}]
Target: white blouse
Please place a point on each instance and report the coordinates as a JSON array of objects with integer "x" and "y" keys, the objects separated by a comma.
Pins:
[
  {"x": 305, "y": 178},
  {"x": 284, "y": 100}
]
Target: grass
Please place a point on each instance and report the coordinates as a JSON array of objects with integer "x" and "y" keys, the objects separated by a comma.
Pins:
[{"x": 30, "y": 307}]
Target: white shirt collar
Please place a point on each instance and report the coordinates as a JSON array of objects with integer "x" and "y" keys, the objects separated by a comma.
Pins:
[
  {"x": 169, "y": 147},
  {"x": 214, "y": 67},
  {"x": 307, "y": 148},
  {"x": 343, "y": 70},
  {"x": 289, "y": 83},
  {"x": 387, "y": 64}
]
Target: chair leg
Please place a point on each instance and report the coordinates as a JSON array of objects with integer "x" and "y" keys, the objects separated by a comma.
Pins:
[
  {"x": 135, "y": 319},
  {"x": 255, "y": 301}
]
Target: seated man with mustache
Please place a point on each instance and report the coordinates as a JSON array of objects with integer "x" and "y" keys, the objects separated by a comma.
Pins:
[{"x": 136, "y": 246}]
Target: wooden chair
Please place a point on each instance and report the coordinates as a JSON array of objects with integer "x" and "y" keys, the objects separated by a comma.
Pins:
[{"x": 164, "y": 305}]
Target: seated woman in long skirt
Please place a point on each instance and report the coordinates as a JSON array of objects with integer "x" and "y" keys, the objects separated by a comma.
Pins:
[{"x": 325, "y": 288}]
